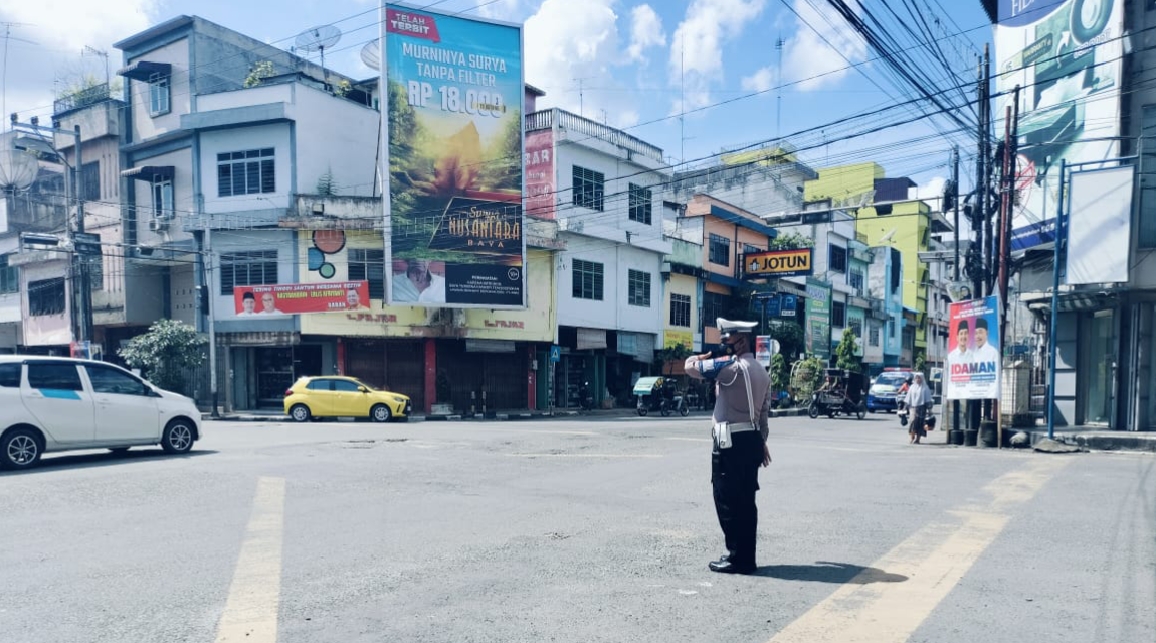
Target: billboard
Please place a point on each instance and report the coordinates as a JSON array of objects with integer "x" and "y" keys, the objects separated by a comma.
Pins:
[
  {"x": 817, "y": 332},
  {"x": 1099, "y": 226},
  {"x": 973, "y": 358},
  {"x": 538, "y": 163},
  {"x": 778, "y": 263},
  {"x": 1066, "y": 56},
  {"x": 455, "y": 160},
  {"x": 297, "y": 299}
]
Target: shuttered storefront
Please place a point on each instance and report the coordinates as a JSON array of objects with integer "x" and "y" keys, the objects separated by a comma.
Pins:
[
  {"x": 502, "y": 375},
  {"x": 398, "y": 366}
]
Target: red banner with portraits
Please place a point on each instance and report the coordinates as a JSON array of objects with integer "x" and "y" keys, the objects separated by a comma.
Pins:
[{"x": 298, "y": 299}]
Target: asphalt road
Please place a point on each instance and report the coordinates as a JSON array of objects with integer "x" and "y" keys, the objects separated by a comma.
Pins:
[{"x": 581, "y": 530}]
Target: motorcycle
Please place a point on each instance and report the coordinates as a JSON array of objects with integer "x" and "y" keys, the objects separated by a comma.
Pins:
[
  {"x": 843, "y": 393},
  {"x": 659, "y": 394},
  {"x": 585, "y": 398}
]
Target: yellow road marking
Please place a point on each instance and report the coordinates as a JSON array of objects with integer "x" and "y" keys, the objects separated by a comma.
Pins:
[
  {"x": 254, "y": 597},
  {"x": 934, "y": 560}
]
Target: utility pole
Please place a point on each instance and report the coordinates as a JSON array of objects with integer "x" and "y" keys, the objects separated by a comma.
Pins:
[
  {"x": 955, "y": 277},
  {"x": 208, "y": 260},
  {"x": 81, "y": 260}
]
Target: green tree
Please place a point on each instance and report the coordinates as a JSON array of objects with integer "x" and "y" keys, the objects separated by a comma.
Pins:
[
  {"x": 845, "y": 357},
  {"x": 790, "y": 337},
  {"x": 806, "y": 376},
  {"x": 791, "y": 241},
  {"x": 779, "y": 375},
  {"x": 166, "y": 353},
  {"x": 260, "y": 70},
  {"x": 326, "y": 184}
]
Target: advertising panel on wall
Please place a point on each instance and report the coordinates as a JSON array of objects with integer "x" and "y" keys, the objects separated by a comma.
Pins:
[
  {"x": 539, "y": 167},
  {"x": 1066, "y": 55},
  {"x": 817, "y": 332},
  {"x": 1099, "y": 226},
  {"x": 295, "y": 299},
  {"x": 777, "y": 263},
  {"x": 973, "y": 359},
  {"x": 455, "y": 160}
]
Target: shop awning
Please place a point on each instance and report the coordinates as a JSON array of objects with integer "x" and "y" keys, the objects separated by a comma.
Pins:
[
  {"x": 145, "y": 70},
  {"x": 149, "y": 173}
]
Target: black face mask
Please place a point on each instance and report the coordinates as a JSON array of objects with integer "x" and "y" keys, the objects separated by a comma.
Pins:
[{"x": 724, "y": 350}]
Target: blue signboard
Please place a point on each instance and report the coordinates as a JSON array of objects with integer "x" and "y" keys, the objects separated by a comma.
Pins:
[
  {"x": 555, "y": 353},
  {"x": 789, "y": 306}
]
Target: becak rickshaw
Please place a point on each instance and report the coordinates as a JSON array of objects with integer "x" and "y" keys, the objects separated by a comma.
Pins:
[
  {"x": 659, "y": 394},
  {"x": 841, "y": 392}
]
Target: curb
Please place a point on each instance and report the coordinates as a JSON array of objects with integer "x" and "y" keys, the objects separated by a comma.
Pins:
[{"x": 488, "y": 417}]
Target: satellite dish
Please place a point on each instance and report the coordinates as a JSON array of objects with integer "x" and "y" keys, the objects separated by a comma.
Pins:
[
  {"x": 371, "y": 55},
  {"x": 18, "y": 169},
  {"x": 318, "y": 39}
]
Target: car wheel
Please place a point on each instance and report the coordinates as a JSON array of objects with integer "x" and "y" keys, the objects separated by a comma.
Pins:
[
  {"x": 178, "y": 437},
  {"x": 20, "y": 449},
  {"x": 380, "y": 413},
  {"x": 300, "y": 413}
]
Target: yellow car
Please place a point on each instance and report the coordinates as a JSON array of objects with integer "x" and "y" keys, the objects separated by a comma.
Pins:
[{"x": 312, "y": 398}]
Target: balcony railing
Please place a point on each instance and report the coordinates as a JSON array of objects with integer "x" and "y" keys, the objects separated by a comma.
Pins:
[
  {"x": 579, "y": 125},
  {"x": 82, "y": 98}
]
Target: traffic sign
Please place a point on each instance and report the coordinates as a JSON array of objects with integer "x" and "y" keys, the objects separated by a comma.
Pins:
[{"x": 555, "y": 353}]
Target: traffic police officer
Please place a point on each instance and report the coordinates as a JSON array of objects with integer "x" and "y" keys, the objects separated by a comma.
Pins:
[{"x": 740, "y": 439}]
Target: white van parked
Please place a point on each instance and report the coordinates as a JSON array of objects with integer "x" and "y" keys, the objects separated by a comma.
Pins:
[{"x": 59, "y": 404}]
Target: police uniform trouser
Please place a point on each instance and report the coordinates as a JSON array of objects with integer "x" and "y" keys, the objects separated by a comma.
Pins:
[{"x": 735, "y": 479}]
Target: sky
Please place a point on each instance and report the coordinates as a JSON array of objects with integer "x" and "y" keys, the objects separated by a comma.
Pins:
[{"x": 695, "y": 77}]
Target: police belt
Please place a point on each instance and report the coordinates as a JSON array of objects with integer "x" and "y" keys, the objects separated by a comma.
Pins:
[{"x": 737, "y": 427}]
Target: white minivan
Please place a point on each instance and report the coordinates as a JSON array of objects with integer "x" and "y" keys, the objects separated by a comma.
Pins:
[{"x": 60, "y": 404}]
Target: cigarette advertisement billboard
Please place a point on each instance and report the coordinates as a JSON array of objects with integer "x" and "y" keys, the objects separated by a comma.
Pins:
[{"x": 455, "y": 160}]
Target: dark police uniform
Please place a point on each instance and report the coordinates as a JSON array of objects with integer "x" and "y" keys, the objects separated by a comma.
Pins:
[{"x": 740, "y": 433}]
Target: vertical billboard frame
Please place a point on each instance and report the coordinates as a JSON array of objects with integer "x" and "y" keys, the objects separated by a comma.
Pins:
[{"x": 470, "y": 225}]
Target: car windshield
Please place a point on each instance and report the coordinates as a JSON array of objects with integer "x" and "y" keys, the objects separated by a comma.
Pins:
[
  {"x": 891, "y": 379},
  {"x": 366, "y": 385}
]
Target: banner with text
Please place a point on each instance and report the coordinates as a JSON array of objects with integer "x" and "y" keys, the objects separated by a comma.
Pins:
[
  {"x": 973, "y": 359},
  {"x": 1066, "y": 56},
  {"x": 817, "y": 332},
  {"x": 777, "y": 263},
  {"x": 297, "y": 299},
  {"x": 455, "y": 160}
]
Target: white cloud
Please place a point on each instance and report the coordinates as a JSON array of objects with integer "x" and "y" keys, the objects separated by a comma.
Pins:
[
  {"x": 761, "y": 81},
  {"x": 810, "y": 60},
  {"x": 572, "y": 49},
  {"x": 499, "y": 10},
  {"x": 60, "y": 30},
  {"x": 932, "y": 189},
  {"x": 645, "y": 31},
  {"x": 696, "y": 50}
]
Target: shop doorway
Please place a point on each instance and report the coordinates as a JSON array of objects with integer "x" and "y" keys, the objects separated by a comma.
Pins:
[{"x": 1100, "y": 368}]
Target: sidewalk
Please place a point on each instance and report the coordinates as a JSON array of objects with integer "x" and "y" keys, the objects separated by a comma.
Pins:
[
  {"x": 492, "y": 416},
  {"x": 1096, "y": 438}
]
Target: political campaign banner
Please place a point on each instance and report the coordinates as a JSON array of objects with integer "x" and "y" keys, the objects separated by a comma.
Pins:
[
  {"x": 973, "y": 358},
  {"x": 455, "y": 160},
  {"x": 1066, "y": 56},
  {"x": 257, "y": 302}
]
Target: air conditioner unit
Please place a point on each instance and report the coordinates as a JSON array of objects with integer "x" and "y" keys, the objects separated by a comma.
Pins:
[{"x": 156, "y": 225}]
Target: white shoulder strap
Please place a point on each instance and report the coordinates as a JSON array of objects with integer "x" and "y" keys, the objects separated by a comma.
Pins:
[{"x": 750, "y": 395}]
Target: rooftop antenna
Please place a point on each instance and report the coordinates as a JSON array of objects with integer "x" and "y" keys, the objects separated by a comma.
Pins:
[
  {"x": 318, "y": 39},
  {"x": 93, "y": 51},
  {"x": 4, "y": 70}
]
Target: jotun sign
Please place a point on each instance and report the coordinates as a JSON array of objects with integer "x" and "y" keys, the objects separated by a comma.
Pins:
[{"x": 778, "y": 263}]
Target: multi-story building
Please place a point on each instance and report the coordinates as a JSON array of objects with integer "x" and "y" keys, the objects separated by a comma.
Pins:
[
  {"x": 238, "y": 178},
  {"x": 605, "y": 196}
]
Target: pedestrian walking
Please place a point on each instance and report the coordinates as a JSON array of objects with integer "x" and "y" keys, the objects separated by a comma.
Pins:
[
  {"x": 919, "y": 403},
  {"x": 740, "y": 440}
]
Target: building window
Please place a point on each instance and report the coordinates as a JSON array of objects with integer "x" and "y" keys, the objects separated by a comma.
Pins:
[
  {"x": 9, "y": 277},
  {"x": 856, "y": 326},
  {"x": 251, "y": 268},
  {"x": 891, "y": 329},
  {"x": 248, "y": 172},
  {"x": 720, "y": 250},
  {"x": 159, "y": 94},
  {"x": 838, "y": 314},
  {"x": 713, "y": 306},
  {"x": 163, "y": 199},
  {"x": 638, "y": 288},
  {"x": 873, "y": 335},
  {"x": 587, "y": 280},
  {"x": 856, "y": 280},
  {"x": 46, "y": 297},
  {"x": 680, "y": 310},
  {"x": 368, "y": 265},
  {"x": 90, "y": 181},
  {"x": 748, "y": 248},
  {"x": 836, "y": 258},
  {"x": 588, "y": 188},
  {"x": 640, "y": 204}
]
